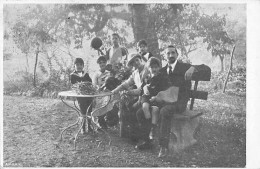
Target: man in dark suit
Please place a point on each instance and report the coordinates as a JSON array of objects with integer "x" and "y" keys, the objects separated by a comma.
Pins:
[{"x": 179, "y": 75}]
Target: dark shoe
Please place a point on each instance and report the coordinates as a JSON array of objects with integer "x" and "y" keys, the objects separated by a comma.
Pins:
[
  {"x": 144, "y": 146},
  {"x": 163, "y": 152}
]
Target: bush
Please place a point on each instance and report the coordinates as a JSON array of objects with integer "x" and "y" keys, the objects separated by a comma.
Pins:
[
  {"x": 236, "y": 80},
  {"x": 21, "y": 84},
  {"x": 57, "y": 81}
]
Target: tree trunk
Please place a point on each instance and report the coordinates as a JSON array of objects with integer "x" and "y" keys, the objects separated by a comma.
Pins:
[
  {"x": 230, "y": 68},
  {"x": 143, "y": 28},
  {"x": 140, "y": 21},
  {"x": 27, "y": 62},
  {"x": 152, "y": 39},
  {"x": 221, "y": 57},
  {"x": 183, "y": 49},
  {"x": 35, "y": 65}
]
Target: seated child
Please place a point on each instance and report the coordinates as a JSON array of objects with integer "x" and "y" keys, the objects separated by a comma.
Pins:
[
  {"x": 80, "y": 76},
  {"x": 154, "y": 85},
  {"x": 101, "y": 76},
  {"x": 99, "y": 80}
]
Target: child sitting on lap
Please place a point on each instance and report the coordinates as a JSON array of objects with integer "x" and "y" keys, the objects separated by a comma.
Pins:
[{"x": 153, "y": 86}]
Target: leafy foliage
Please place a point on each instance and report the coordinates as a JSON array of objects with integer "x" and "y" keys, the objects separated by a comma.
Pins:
[
  {"x": 52, "y": 80},
  {"x": 84, "y": 88},
  {"x": 69, "y": 24},
  {"x": 236, "y": 81},
  {"x": 182, "y": 30},
  {"x": 214, "y": 34}
]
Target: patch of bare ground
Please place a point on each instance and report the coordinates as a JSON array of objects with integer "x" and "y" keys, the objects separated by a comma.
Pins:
[{"x": 32, "y": 126}]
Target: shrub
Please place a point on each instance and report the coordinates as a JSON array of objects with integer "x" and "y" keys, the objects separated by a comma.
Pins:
[
  {"x": 236, "y": 81},
  {"x": 21, "y": 82}
]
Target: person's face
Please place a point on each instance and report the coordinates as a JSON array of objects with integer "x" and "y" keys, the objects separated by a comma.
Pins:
[
  {"x": 154, "y": 69},
  {"x": 171, "y": 55},
  {"x": 115, "y": 40},
  {"x": 142, "y": 48},
  {"x": 102, "y": 65},
  {"x": 136, "y": 62},
  {"x": 79, "y": 66}
]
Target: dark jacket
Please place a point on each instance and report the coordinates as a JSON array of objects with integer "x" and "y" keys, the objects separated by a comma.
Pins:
[
  {"x": 74, "y": 77},
  {"x": 177, "y": 79},
  {"x": 156, "y": 84}
]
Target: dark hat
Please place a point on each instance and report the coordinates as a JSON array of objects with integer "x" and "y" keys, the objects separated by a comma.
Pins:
[
  {"x": 131, "y": 57},
  {"x": 79, "y": 60},
  {"x": 101, "y": 58},
  {"x": 142, "y": 42},
  {"x": 96, "y": 43}
]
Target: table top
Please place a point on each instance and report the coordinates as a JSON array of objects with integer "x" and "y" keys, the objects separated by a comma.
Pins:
[{"x": 72, "y": 93}]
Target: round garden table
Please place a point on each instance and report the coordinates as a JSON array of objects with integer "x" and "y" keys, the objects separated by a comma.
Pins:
[{"x": 82, "y": 118}]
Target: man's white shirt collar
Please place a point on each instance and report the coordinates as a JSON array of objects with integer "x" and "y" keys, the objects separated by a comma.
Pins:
[{"x": 172, "y": 65}]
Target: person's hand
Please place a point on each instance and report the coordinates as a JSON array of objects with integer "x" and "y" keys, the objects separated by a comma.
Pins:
[
  {"x": 113, "y": 92},
  {"x": 146, "y": 91},
  {"x": 128, "y": 92},
  {"x": 152, "y": 99},
  {"x": 99, "y": 89},
  {"x": 189, "y": 73}
]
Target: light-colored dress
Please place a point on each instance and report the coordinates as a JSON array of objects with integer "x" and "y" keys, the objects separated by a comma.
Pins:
[{"x": 100, "y": 78}]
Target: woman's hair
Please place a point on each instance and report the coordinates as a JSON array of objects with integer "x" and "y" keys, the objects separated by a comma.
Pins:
[
  {"x": 153, "y": 61},
  {"x": 101, "y": 58},
  {"x": 79, "y": 60}
]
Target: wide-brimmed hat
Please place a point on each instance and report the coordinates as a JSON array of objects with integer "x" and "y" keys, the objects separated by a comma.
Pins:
[{"x": 131, "y": 57}]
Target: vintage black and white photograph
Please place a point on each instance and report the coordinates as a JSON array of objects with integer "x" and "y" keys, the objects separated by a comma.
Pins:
[{"x": 125, "y": 84}]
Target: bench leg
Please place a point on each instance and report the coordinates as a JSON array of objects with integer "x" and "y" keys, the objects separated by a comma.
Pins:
[
  {"x": 182, "y": 134},
  {"x": 123, "y": 124}
]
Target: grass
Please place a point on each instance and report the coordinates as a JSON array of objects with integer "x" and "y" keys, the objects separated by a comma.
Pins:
[{"x": 32, "y": 128}]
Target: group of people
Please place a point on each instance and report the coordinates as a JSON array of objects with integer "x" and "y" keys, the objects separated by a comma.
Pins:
[{"x": 148, "y": 78}]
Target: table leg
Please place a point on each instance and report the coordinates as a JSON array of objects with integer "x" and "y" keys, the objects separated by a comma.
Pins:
[
  {"x": 82, "y": 119},
  {"x": 104, "y": 132},
  {"x": 75, "y": 108},
  {"x": 68, "y": 128}
]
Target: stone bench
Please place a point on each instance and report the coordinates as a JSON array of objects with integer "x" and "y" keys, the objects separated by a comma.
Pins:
[{"x": 184, "y": 126}]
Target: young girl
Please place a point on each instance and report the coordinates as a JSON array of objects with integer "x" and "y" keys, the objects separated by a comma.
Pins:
[{"x": 80, "y": 76}]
